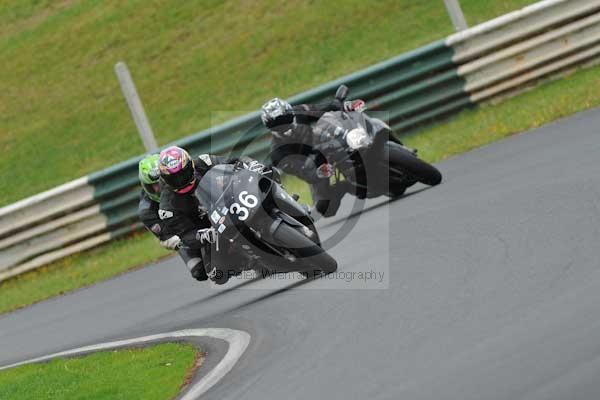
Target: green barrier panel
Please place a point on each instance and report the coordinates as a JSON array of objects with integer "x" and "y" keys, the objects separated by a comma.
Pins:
[
  {"x": 399, "y": 124},
  {"x": 122, "y": 208}
]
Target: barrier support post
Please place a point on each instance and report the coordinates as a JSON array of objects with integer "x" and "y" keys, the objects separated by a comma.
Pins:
[{"x": 135, "y": 106}]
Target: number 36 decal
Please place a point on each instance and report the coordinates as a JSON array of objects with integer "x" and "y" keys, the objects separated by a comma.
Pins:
[{"x": 248, "y": 201}]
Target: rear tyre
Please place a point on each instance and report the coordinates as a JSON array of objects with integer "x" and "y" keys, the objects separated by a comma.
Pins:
[
  {"x": 412, "y": 165},
  {"x": 310, "y": 258}
]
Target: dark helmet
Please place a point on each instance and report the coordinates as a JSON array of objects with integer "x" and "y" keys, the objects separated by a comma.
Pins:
[
  {"x": 277, "y": 115},
  {"x": 177, "y": 169}
]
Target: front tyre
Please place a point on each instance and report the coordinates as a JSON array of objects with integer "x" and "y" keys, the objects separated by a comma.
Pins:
[
  {"x": 412, "y": 165},
  {"x": 309, "y": 256}
]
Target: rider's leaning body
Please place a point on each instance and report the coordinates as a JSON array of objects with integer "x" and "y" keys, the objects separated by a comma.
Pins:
[
  {"x": 293, "y": 149},
  {"x": 148, "y": 213},
  {"x": 180, "y": 209}
]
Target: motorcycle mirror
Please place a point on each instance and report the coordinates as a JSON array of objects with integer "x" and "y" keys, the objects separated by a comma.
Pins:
[{"x": 342, "y": 92}]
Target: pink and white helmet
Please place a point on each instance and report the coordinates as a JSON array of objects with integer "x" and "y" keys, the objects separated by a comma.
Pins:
[{"x": 177, "y": 169}]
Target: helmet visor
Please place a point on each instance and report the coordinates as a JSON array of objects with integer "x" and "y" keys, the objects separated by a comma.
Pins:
[
  {"x": 181, "y": 178},
  {"x": 281, "y": 122}
]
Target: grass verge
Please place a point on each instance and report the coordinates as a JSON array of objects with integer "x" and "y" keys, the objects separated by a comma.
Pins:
[{"x": 153, "y": 373}]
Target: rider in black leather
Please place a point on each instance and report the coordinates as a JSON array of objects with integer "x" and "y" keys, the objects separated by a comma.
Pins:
[
  {"x": 293, "y": 149},
  {"x": 148, "y": 214},
  {"x": 180, "y": 209}
]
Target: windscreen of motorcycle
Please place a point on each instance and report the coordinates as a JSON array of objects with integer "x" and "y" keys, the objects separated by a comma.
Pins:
[
  {"x": 334, "y": 125},
  {"x": 231, "y": 196}
]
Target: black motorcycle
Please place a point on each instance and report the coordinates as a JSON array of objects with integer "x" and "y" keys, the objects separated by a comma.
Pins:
[
  {"x": 364, "y": 153},
  {"x": 259, "y": 224}
]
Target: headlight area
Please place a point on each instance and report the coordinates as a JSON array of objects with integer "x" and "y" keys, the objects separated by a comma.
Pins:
[{"x": 358, "y": 138}]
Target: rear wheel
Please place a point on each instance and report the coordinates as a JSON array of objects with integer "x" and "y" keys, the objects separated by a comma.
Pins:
[
  {"x": 412, "y": 165},
  {"x": 310, "y": 258}
]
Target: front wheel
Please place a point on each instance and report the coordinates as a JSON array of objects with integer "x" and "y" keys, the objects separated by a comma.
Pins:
[
  {"x": 308, "y": 255},
  {"x": 405, "y": 160}
]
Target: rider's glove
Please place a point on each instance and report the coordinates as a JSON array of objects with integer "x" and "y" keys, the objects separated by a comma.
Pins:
[
  {"x": 255, "y": 166},
  {"x": 172, "y": 243},
  {"x": 355, "y": 105},
  {"x": 206, "y": 235},
  {"x": 325, "y": 170},
  {"x": 250, "y": 164}
]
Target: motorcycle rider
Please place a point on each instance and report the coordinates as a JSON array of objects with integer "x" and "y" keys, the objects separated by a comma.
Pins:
[
  {"x": 293, "y": 149},
  {"x": 148, "y": 172},
  {"x": 180, "y": 209}
]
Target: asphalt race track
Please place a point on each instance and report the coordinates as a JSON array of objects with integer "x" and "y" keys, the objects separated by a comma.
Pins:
[{"x": 493, "y": 291}]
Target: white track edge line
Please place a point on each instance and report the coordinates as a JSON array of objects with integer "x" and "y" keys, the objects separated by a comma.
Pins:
[{"x": 238, "y": 342}]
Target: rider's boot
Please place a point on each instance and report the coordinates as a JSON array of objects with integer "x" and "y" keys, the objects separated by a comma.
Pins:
[
  {"x": 215, "y": 274},
  {"x": 199, "y": 272}
]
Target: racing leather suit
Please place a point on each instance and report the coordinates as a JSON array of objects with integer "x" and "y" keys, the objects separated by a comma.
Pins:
[
  {"x": 294, "y": 152},
  {"x": 183, "y": 215},
  {"x": 148, "y": 214}
]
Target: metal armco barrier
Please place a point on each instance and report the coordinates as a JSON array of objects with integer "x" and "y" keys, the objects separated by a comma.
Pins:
[{"x": 436, "y": 80}]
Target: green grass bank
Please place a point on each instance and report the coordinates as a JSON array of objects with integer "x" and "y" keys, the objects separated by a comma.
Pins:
[{"x": 153, "y": 373}]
